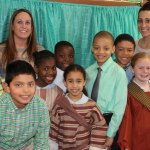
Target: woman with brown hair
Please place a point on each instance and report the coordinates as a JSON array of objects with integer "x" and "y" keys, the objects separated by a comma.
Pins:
[
  {"x": 21, "y": 42},
  {"x": 143, "y": 44}
]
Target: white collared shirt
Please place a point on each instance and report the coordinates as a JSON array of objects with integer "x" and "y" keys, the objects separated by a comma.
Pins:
[
  {"x": 49, "y": 86},
  {"x": 59, "y": 79},
  {"x": 83, "y": 99},
  {"x": 141, "y": 86}
]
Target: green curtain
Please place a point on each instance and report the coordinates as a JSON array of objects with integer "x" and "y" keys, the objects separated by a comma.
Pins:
[{"x": 72, "y": 22}]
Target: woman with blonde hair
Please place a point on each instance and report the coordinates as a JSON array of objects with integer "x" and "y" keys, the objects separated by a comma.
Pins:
[{"x": 21, "y": 42}]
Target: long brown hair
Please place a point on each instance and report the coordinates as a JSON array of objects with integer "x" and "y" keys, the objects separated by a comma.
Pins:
[{"x": 10, "y": 52}]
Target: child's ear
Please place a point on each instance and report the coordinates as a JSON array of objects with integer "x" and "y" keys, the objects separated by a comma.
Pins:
[
  {"x": 35, "y": 69},
  {"x": 6, "y": 87},
  {"x": 113, "y": 49},
  {"x": 64, "y": 83},
  {"x": 132, "y": 69},
  {"x": 85, "y": 82},
  {"x": 92, "y": 48}
]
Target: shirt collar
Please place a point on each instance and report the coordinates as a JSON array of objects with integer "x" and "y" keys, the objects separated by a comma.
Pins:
[
  {"x": 83, "y": 99},
  {"x": 59, "y": 71},
  {"x": 125, "y": 67},
  {"x": 105, "y": 65},
  {"x": 141, "y": 86},
  {"x": 46, "y": 87}
]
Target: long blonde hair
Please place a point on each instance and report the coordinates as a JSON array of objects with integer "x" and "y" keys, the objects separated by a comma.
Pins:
[{"x": 10, "y": 52}]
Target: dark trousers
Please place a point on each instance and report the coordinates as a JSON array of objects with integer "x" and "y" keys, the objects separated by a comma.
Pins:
[{"x": 114, "y": 145}]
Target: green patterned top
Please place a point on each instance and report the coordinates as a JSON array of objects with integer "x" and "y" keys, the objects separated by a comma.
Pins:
[
  {"x": 2, "y": 80},
  {"x": 19, "y": 126}
]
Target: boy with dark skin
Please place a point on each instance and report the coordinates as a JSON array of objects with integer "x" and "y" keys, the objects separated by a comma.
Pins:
[{"x": 64, "y": 53}]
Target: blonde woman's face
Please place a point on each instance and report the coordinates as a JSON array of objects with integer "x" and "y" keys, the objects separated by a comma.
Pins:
[{"x": 22, "y": 26}]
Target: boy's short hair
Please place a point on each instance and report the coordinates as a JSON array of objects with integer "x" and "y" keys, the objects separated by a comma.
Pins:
[
  {"x": 16, "y": 68},
  {"x": 104, "y": 34},
  {"x": 61, "y": 44},
  {"x": 124, "y": 37}
]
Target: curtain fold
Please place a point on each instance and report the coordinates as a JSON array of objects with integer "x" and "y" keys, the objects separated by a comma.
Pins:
[{"x": 75, "y": 23}]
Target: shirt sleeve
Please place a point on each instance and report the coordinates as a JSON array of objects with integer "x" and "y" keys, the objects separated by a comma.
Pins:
[
  {"x": 125, "y": 129},
  {"x": 120, "y": 100},
  {"x": 41, "y": 139},
  {"x": 40, "y": 47},
  {"x": 98, "y": 130},
  {"x": 55, "y": 122}
]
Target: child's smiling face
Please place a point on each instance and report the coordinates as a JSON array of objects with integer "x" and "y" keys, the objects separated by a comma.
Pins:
[
  {"x": 75, "y": 83},
  {"x": 64, "y": 57},
  {"x": 22, "y": 89},
  {"x": 102, "y": 49},
  {"x": 46, "y": 72},
  {"x": 141, "y": 70},
  {"x": 124, "y": 52}
]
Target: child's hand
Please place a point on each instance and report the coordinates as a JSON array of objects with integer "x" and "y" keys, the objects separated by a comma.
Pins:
[
  {"x": 109, "y": 142},
  {"x": 126, "y": 149}
]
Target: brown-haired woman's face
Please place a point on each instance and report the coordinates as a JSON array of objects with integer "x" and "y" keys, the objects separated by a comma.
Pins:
[
  {"x": 144, "y": 23},
  {"x": 22, "y": 26}
]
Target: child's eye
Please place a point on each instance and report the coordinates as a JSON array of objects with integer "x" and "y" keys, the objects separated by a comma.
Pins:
[
  {"x": 148, "y": 68},
  {"x": 18, "y": 85},
  {"x": 106, "y": 48},
  {"x": 70, "y": 81},
  {"x": 141, "y": 68},
  {"x": 71, "y": 56},
  {"x": 78, "y": 81},
  {"x": 46, "y": 68},
  {"x": 130, "y": 50},
  {"x": 62, "y": 55},
  {"x": 31, "y": 84},
  {"x": 54, "y": 68},
  {"x": 120, "y": 49},
  {"x": 96, "y": 48}
]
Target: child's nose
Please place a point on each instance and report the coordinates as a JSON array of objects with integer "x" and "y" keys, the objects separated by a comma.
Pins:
[
  {"x": 100, "y": 50},
  {"x": 74, "y": 84},
  {"x": 25, "y": 89},
  {"x": 50, "y": 71},
  {"x": 125, "y": 53},
  {"x": 66, "y": 58},
  {"x": 145, "y": 70}
]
